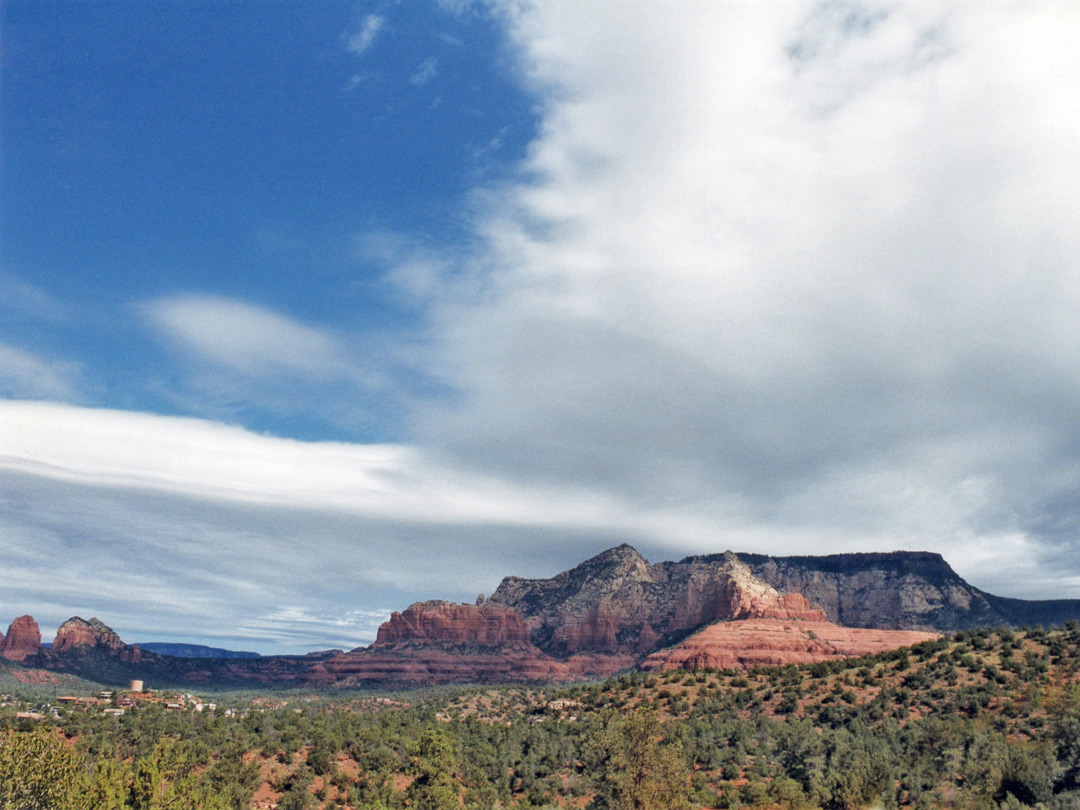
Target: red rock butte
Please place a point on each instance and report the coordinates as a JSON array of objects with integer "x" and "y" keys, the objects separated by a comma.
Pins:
[
  {"x": 452, "y": 623},
  {"x": 23, "y": 639},
  {"x": 77, "y": 632}
]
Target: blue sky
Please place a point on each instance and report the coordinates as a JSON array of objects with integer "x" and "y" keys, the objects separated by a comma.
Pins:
[
  {"x": 265, "y": 152},
  {"x": 311, "y": 310}
]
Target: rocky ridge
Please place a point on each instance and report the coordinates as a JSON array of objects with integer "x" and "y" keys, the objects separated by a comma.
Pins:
[
  {"x": 23, "y": 639},
  {"x": 606, "y": 614},
  {"x": 439, "y": 642},
  {"x": 444, "y": 642},
  {"x": 617, "y": 603},
  {"x": 452, "y": 623},
  {"x": 78, "y": 633}
]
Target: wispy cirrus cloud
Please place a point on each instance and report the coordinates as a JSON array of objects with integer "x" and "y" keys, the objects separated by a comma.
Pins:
[
  {"x": 24, "y": 300},
  {"x": 425, "y": 72},
  {"x": 25, "y": 375},
  {"x": 366, "y": 36},
  {"x": 231, "y": 356},
  {"x": 246, "y": 338}
]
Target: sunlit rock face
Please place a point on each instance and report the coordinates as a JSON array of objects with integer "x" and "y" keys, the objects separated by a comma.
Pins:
[
  {"x": 616, "y": 603},
  {"x": 449, "y": 622},
  {"x": 443, "y": 642},
  {"x": 898, "y": 590},
  {"x": 746, "y": 643},
  {"x": 78, "y": 633},
  {"x": 23, "y": 639}
]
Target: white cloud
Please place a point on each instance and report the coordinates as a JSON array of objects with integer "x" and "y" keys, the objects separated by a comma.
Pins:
[
  {"x": 234, "y": 355},
  {"x": 425, "y": 72},
  {"x": 780, "y": 277},
  {"x": 767, "y": 254},
  {"x": 181, "y": 528},
  {"x": 211, "y": 461},
  {"x": 365, "y": 37},
  {"x": 23, "y": 374},
  {"x": 246, "y": 338},
  {"x": 29, "y": 301}
]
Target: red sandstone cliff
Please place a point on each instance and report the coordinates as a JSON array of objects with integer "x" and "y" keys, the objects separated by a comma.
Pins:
[
  {"x": 425, "y": 665},
  {"x": 747, "y": 643},
  {"x": 451, "y": 623},
  {"x": 616, "y": 603},
  {"x": 23, "y": 639},
  {"x": 443, "y": 642}
]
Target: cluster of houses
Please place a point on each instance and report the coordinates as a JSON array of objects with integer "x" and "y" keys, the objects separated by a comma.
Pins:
[{"x": 116, "y": 703}]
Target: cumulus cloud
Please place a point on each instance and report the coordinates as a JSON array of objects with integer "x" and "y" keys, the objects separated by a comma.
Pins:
[
  {"x": 783, "y": 277},
  {"x": 813, "y": 261}
]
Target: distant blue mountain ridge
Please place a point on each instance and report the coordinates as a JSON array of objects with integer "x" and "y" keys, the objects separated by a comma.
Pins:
[{"x": 193, "y": 650}]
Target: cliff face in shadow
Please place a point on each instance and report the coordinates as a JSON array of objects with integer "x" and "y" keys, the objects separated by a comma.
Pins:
[{"x": 900, "y": 590}]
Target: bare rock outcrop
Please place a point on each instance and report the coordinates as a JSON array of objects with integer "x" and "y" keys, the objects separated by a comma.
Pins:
[
  {"x": 441, "y": 642},
  {"x": 747, "y": 643},
  {"x": 902, "y": 590},
  {"x": 78, "y": 633},
  {"x": 451, "y": 623},
  {"x": 23, "y": 639},
  {"x": 616, "y": 603}
]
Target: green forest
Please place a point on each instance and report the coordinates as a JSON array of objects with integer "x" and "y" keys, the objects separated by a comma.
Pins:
[{"x": 983, "y": 719}]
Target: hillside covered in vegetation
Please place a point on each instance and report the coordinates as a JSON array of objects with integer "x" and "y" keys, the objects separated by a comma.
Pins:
[{"x": 985, "y": 719}]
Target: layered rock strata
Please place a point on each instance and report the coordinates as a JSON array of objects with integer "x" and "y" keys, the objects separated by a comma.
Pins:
[
  {"x": 616, "y": 603},
  {"x": 747, "y": 643},
  {"x": 77, "y": 633},
  {"x": 23, "y": 639},
  {"x": 451, "y": 623},
  {"x": 908, "y": 590},
  {"x": 444, "y": 642}
]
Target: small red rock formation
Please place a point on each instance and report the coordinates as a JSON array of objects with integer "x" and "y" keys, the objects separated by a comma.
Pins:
[
  {"x": 22, "y": 640},
  {"x": 77, "y": 632},
  {"x": 448, "y": 622},
  {"x": 747, "y": 643}
]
